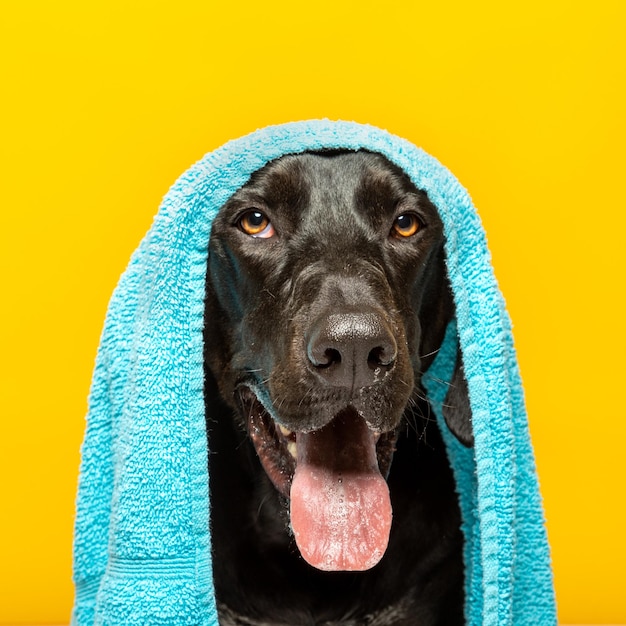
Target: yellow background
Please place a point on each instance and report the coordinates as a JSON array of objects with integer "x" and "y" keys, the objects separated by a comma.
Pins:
[{"x": 104, "y": 104}]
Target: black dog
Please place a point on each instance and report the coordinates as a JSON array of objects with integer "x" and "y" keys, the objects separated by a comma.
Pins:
[{"x": 327, "y": 299}]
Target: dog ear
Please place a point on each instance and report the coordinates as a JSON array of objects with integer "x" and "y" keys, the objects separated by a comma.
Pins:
[{"x": 456, "y": 407}]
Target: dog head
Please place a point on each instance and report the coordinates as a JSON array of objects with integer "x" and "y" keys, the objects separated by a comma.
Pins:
[{"x": 328, "y": 299}]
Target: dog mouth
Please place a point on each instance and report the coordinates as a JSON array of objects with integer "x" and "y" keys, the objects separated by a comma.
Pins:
[{"x": 335, "y": 481}]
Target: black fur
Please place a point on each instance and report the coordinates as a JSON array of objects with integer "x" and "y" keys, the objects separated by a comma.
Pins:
[{"x": 334, "y": 252}]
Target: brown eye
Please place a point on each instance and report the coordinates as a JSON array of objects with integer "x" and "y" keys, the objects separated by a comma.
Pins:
[
  {"x": 406, "y": 225},
  {"x": 256, "y": 224}
]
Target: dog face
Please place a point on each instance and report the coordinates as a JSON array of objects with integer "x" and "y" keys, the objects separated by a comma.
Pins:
[{"x": 328, "y": 298}]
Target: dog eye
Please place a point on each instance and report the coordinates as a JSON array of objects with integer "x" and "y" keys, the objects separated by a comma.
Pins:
[
  {"x": 256, "y": 224},
  {"x": 406, "y": 225}
]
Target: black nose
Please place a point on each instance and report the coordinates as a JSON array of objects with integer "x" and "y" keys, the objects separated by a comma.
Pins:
[{"x": 351, "y": 349}]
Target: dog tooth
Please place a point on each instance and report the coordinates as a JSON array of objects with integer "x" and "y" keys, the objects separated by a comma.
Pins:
[
  {"x": 293, "y": 449},
  {"x": 284, "y": 431}
]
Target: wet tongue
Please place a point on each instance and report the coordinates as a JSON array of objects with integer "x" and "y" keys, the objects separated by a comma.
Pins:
[{"x": 340, "y": 506}]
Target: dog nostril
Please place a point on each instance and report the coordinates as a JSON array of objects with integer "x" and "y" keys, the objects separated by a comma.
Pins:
[
  {"x": 331, "y": 357},
  {"x": 380, "y": 357},
  {"x": 321, "y": 356}
]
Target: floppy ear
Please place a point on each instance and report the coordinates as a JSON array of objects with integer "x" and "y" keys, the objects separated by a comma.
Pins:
[{"x": 456, "y": 407}]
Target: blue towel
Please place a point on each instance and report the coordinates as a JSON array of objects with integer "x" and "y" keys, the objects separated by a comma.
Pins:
[{"x": 142, "y": 551}]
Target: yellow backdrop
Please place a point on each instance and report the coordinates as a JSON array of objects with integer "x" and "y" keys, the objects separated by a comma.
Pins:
[{"x": 104, "y": 104}]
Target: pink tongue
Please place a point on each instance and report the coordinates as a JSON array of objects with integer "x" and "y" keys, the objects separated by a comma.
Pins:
[{"x": 340, "y": 506}]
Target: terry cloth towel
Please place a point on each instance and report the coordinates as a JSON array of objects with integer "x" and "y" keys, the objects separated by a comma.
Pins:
[{"x": 142, "y": 551}]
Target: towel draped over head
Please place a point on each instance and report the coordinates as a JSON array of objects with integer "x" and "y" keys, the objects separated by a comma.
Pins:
[{"x": 142, "y": 549}]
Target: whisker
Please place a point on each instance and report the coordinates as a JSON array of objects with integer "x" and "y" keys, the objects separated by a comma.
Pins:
[
  {"x": 425, "y": 356},
  {"x": 304, "y": 395},
  {"x": 258, "y": 511},
  {"x": 437, "y": 380}
]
